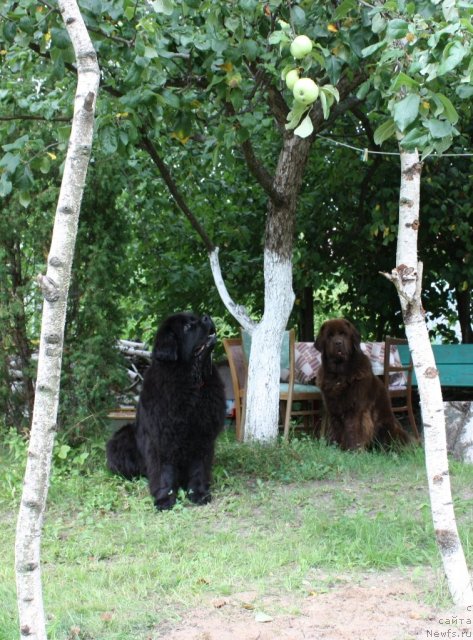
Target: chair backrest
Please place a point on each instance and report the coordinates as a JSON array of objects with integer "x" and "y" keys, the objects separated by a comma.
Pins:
[
  {"x": 236, "y": 361},
  {"x": 396, "y": 374},
  {"x": 287, "y": 352}
]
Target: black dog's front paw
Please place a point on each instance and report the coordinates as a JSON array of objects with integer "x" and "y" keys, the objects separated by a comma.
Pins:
[
  {"x": 166, "y": 501},
  {"x": 199, "y": 497}
]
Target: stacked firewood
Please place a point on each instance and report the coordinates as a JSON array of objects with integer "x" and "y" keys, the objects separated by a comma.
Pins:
[{"x": 137, "y": 360}]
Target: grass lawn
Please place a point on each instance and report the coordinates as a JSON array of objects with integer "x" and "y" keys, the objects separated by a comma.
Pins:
[{"x": 114, "y": 568}]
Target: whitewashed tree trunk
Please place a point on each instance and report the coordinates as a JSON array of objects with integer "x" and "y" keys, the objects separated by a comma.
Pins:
[
  {"x": 262, "y": 395},
  {"x": 262, "y": 399},
  {"x": 237, "y": 311},
  {"x": 261, "y": 417},
  {"x": 407, "y": 277},
  {"x": 55, "y": 285}
]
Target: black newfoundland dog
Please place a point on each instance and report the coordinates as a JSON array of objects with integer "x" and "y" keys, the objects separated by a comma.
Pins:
[
  {"x": 356, "y": 402},
  {"x": 181, "y": 411}
]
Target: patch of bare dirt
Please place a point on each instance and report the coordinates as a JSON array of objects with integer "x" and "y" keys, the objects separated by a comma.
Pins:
[{"x": 370, "y": 606}]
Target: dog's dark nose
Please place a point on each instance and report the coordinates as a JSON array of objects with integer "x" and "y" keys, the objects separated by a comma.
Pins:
[{"x": 207, "y": 321}]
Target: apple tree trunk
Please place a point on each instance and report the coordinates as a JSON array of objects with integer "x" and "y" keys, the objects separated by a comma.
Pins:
[
  {"x": 261, "y": 415},
  {"x": 282, "y": 187}
]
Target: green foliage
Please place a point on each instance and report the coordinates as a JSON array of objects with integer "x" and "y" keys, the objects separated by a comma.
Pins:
[
  {"x": 195, "y": 78},
  {"x": 91, "y": 363},
  {"x": 352, "y": 231},
  {"x": 23, "y": 242},
  {"x": 425, "y": 62},
  {"x": 92, "y": 366}
]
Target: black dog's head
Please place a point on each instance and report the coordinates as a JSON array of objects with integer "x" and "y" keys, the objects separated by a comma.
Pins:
[
  {"x": 338, "y": 340},
  {"x": 184, "y": 337}
]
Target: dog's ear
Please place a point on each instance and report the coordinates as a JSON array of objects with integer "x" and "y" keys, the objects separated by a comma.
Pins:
[
  {"x": 165, "y": 346},
  {"x": 319, "y": 341},
  {"x": 355, "y": 336}
]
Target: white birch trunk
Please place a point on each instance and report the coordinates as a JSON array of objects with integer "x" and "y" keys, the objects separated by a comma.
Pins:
[
  {"x": 262, "y": 400},
  {"x": 407, "y": 277},
  {"x": 55, "y": 291}
]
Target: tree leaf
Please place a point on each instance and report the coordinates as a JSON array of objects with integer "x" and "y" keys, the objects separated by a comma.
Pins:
[
  {"x": 294, "y": 116},
  {"x": 25, "y": 198},
  {"x": 250, "y": 49},
  {"x": 403, "y": 80},
  {"x": 384, "y": 131},
  {"x": 453, "y": 54},
  {"x": 260, "y": 616},
  {"x": 163, "y": 6},
  {"x": 415, "y": 139},
  {"x": 367, "y": 51},
  {"x": 277, "y": 37},
  {"x": 378, "y": 23},
  {"x": 108, "y": 138},
  {"x": 10, "y": 162},
  {"x": 25, "y": 179},
  {"x": 450, "y": 10},
  {"x": 448, "y": 108},
  {"x": 5, "y": 186},
  {"x": 305, "y": 128},
  {"x": 333, "y": 67},
  {"x": 18, "y": 144},
  {"x": 363, "y": 89},
  {"x": 63, "y": 451},
  {"x": 464, "y": 91},
  {"x": 328, "y": 88},
  {"x": 171, "y": 98},
  {"x": 60, "y": 38},
  {"x": 439, "y": 128},
  {"x": 406, "y": 111},
  {"x": 94, "y": 6},
  {"x": 443, "y": 144},
  {"x": 150, "y": 53},
  {"x": 45, "y": 164},
  {"x": 298, "y": 16},
  {"x": 397, "y": 28},
  {"x": 325, "y": 106},
  {"x": 344, "y": 8}
]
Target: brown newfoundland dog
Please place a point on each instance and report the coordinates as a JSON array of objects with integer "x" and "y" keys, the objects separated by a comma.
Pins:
[{"x": 357, "y": 405}]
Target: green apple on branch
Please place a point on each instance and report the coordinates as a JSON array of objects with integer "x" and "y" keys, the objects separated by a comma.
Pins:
[
  {"x": 301, "y": 46},
  {"x": 292, "y": 77},
  {"x": 305, "y": 91}
]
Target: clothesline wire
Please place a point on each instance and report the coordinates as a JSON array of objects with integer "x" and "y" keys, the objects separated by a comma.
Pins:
[{"x": 365, "y": 151}]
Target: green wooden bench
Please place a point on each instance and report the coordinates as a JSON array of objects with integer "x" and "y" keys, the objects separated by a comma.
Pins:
[{"x": 454, "y": 363}]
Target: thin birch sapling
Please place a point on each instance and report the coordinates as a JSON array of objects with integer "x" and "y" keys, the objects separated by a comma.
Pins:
[
  {"x": 55, "y": 286},
  {"x": 407, "y": 278}
]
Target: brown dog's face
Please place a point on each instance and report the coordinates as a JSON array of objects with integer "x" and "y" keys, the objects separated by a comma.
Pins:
[{"x": 338, "y": 339}]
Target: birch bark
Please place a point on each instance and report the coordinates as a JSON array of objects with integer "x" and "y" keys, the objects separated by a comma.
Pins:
[
  {"x": 54, "y": 285},
  {"x": 407, "y": 277}
]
